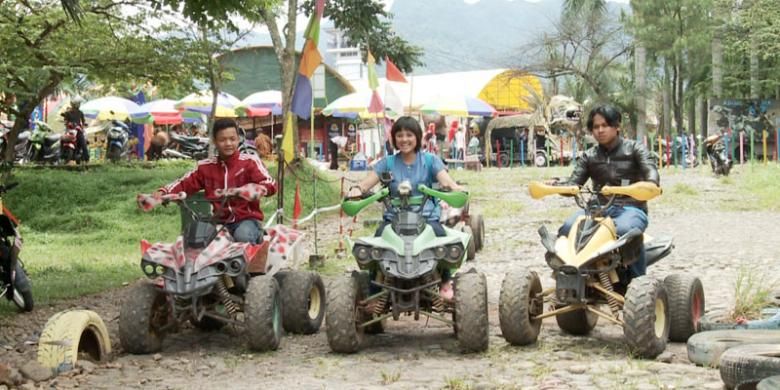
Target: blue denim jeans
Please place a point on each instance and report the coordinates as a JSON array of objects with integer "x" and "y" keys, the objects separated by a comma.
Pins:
[
  {"x": 625, "y": 219},
  {"x": 248, "y": 230}
]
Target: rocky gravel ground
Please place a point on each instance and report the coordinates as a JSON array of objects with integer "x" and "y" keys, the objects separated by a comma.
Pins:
[{"x": 714, "y": 238}]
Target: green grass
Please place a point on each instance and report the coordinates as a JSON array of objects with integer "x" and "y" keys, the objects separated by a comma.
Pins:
[
  {"x": 82, "y": 229},
  {"x": 759, "y": 185},
  {"x": 752, "y": 293}
]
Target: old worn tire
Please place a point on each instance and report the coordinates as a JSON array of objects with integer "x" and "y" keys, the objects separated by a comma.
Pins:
[
  {"x": 686, "y": 305},
  {"x": 344, "y": 334},
  {"x": 23, "y": 298},
  {"x": 771, "y": 383},
  {"x": 263, "y": 314},
  {"x": 646, "y": 317},
  {"x": 477, "y": 224},
  {"x": 471, "y": 249},
  {"x": 303, "y": 302},
  {"x": 578, "y": 323},
  {"x": 71, "y": 334},
  {"x": 744, "y": 366},
  {"x": 471, "y": 312},
  {"x": 515, "y": 309},
  {"x": 706, "y": 348},
  {"x": 141, "y": 312}
]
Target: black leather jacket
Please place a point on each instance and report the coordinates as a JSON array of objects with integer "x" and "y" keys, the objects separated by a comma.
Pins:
[{"x": 628, "y": 162}]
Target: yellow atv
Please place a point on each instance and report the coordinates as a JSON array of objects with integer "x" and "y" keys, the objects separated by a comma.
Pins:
[{"x": 590, "y": 271}]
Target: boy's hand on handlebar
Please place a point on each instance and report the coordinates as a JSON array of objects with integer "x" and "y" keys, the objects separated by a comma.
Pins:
[{"x": 147, "y": 202}]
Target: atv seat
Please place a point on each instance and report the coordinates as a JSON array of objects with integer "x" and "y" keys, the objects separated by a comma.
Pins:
[{"x": 657, "y": 248}]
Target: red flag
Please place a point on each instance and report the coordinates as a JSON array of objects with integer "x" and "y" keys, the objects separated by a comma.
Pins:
[
  {"x": 393, "y": 74},
  {"x": 297, "y": 207}
]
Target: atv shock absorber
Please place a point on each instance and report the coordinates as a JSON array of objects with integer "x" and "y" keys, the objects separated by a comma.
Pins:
[
  {"x": 223, "y": 293},
  {"x": 614, "y": 306}
]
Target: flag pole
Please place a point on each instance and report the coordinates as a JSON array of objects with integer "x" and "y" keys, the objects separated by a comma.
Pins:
[{"x": 311, "y": 130}]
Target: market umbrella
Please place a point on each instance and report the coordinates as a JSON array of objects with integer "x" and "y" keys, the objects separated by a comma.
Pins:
[
  {"x": 161, "y": 112},
  {"x": 351, "y": 106},
  {"x": 108, "y": 108},
  {"x": 458, "y": 106},
  {"x": 270, "y": 99},
  {"x": 201, "y": 102}
]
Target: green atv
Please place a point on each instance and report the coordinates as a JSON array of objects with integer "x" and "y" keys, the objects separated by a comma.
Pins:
[{"x": 408, "y": 263}]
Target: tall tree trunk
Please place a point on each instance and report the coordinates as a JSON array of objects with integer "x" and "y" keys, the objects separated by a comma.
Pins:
[
  {"x": 667, "y": 116},
  {"x": 754, "y": 85},
  {"x": 640, "y": 74},
  {"x": 692, "y": 116},
  {"x": 717, "y": 65},
  {"x": 677, "y": 98},
  {"x": 25, "y": 111},
  {"x": 701, "y": 102}
]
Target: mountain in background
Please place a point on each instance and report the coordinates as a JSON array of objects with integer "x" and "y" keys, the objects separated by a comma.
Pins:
[{"x": 456, "y": 36}]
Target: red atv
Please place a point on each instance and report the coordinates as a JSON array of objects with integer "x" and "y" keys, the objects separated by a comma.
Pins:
[{"x": 210, "y": 280}]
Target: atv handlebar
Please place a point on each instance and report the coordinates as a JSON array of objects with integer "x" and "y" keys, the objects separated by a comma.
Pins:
[
  {"x": 642, "y": 190},
  {"x": 147, "y": 202}
]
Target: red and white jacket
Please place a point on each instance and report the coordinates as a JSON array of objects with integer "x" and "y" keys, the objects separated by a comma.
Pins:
[{"x": 214, "y": 174}]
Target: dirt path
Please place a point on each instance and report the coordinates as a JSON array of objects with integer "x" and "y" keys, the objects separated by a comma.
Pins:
[{"x": 710, "y": 242}]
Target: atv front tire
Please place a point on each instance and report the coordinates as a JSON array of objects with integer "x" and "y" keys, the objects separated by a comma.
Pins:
[
  {"x": 686, "y": 305},
  {"x": 144, "y": 312},
  {"x": 263, "y": 314},
  {"x": 23, "y": 298},
  {"x": 516, "y": 308},
  {"x": 646, "y": 317},
  {"x": 303, "y": 301},
  {"x": 471, "y": 312},
  {"x": 477, "y": 224},
  {"x": 343, "y": 330}
]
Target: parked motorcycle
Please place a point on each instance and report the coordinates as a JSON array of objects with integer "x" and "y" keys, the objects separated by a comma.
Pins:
[
  {"x": 720, "y": 159},
  {"x": 44, "y": 146},
  {"x": 117, "y": 137},
  {"x": 14, "y": 284},
  {"x": 69, "y": 148},
  {"x": 186, "y": 147},
  {"x": 21, "y": 146}
]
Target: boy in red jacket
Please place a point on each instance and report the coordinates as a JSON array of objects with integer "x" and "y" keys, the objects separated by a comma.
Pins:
[{"x": 230, "y": 173}]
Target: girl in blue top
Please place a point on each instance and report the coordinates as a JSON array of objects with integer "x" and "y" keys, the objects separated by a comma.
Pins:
[{"x": 409, "y": 163}]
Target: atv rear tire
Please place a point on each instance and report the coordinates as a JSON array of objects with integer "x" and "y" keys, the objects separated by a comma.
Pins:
[
  {"x": 471, "y": 312},
  {"x": 646, "y": 317},
  {"x": 343, "y": 330},
  {"x": 263, "y": 314},
  {"x": 578, "y": 322},
  {"x": 706, "y": 348},
  {"x": 471, "y": 249},
  {"x": 477, "y": 224},
  {"x": 303, "y": 301},
  {"x": 144, "y": 312},
  {"x": 516, "y": 309},
  {"x": 746, "y": 365},
  {"x": 686, "y": 305},
  {"x": 22, "y": 298},
  {"x": 70, "y": 335}
]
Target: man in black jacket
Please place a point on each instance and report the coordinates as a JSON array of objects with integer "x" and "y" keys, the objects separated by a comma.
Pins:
[
  {"x": 75, "y": 117},
  {"x": 615, "y": 161}
]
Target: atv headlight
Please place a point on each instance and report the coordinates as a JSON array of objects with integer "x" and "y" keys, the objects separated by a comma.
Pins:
[
  {"x": 376, "y": 254},
  {"x": 361, "y": 253},
  {"x": 454, "y": 252},
  {"x": 439, "y": 252},
  {"x": 152, "y": 270}
]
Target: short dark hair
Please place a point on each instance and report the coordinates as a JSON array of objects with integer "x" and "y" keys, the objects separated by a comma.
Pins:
[
  {"x": 222, "y": 124},
  {"x": 610, "y": 114},
  {"x": 407, "y": 123}
]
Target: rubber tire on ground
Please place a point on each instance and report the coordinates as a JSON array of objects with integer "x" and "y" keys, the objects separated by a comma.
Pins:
[
  {"x": 746, "y": 365},
  {"x": 686, "y": 305},
  {"x": 540, "y": 160},
  {"x": 114, "y": 153},
  {"x": 363, "y": 285},
  {"x": 639, "y": 315},
  {"x": 771, "y": 383},
  {"x": 263, "y": 314},
  {"x": 70, "y": 334},
  {"x": 514, "y": 307},
  {"x": 303, "y": 301},
  {"x": 136, "y": 333},
  {"x": 24, "y": 299},
  {"x": 706, "y": 348},
  {"x": 477, "y": 223},
  {"x": 716, "y": 320},
  {"x": 578, "y": 322},
  {"x": 471, "y": 249},
  {"x": 344, "y": 334},
  {"x": 471, "y": 312}
]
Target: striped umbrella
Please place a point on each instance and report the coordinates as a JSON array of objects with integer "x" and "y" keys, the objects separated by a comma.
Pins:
[
  {"x": 458, "y": 106},
  {"x": 270, "y": 99},
  {"x": 161, "y": 112},
  {"x": 201, "y": 102},
  {"x": 351, "y": 106},
  {"x": 108, "y": 108}
]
